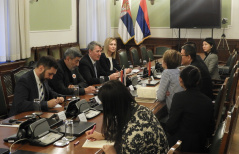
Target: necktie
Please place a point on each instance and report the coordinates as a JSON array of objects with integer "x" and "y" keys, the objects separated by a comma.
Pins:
[
  {"x": 41, "y": 92},
  {"x": 95, "y": 70}
]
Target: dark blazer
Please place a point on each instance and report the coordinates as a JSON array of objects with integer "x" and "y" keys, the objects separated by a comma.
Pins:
[
  {"x": 190, "y": 120},
  {"x": 26, "y": 91},
  {"x": 105, "y": 63},
  {"x": 86, "y": 69},
  {"x": 64, "y": 77},
  {"x": 205, "y": 84}
]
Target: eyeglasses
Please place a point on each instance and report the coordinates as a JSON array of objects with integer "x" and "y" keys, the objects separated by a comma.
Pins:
[{"x": 184, "y": 55}]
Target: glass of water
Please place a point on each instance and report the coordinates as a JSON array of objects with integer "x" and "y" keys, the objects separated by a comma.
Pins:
[
  {"x": 76, "y": 92},
  {"x": 37, "y": 103},
  {"x": 69, "y": 130}
]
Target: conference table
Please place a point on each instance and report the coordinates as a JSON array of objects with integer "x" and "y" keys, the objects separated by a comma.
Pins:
[{"x": 70, "y": 148}]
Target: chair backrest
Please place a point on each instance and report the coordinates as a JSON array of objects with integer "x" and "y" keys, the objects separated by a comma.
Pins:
[
  {"x": 175, "y": 148},
  {"x": 17, "y": 73},
  {"x": 41, "y": 51},
  {"x": 3, "y": 105},
  {"x": 77, "y": 45},
  {"x": 63, "y": 48},
  {"x": 54, "y": 51},
  {"x": 231, "y": 89},
  {"x": 134, "y": 56},
  {"x": 143, "y": 52},
  {"x": 159, "y": 50},
  {"x": 234, "y": 118},
  {"x": 233, "y": 61},
  {"x": 221, "y": 136},
  {"x": 123, "y": 59},
  {"x": 8, "y": 87},
  {"x": 150, "y": 54},
  {"x": 219, "y": 103}
]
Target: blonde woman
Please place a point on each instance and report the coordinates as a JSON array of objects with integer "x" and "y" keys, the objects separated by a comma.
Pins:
[
  {"x": 169, "y": 83},
  {"x": 108, "y": 57}
]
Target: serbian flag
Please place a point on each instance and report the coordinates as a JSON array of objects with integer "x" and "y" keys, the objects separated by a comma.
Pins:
[
  {"x": 125, "y": 29},
  {"x": 123, "y": 76},
  {"x": 142, "y": 27},
  {"x": 149, "y": 68}
]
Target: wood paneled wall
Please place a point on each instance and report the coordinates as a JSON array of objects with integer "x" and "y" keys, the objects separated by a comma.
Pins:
[{"x": 151, "y": 43}]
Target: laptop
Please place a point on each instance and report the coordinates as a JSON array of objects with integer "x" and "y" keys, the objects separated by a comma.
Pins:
[
  {"x": 79, "y": 127},
  {"x": 150, "y": 83}
]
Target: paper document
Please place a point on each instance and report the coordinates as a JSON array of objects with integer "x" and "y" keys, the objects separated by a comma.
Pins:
[
  {"x": 57, "y": 106},
  {"x": 96, "y": 144},
  {"x": 135, "y": 70}
]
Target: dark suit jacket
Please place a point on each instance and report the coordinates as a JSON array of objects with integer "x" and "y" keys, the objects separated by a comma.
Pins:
[
  {"x": 86, "y": 69},
  {"x": 105, "y": 63},
  {"x": 206, "y": 82},
  {"x": 26, "y": 91},
  {"x": 64, "y": 77},
  {"x": 190, "y": 120}
]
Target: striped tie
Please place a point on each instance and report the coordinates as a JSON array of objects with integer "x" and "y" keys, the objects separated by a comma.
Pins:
[{"x": 41, "y": 92}]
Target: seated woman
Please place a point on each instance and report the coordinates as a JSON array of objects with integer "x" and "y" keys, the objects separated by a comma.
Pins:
[
  {"x": 191, "y": 115},
  {"x": 133, "y": 127},
  {"x": 211, "y": 59},
  {"x": 107, "y": 59},
  {"x": 169, "y": 83}
]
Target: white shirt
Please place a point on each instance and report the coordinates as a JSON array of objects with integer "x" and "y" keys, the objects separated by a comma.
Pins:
[
  {"x": 111, "y": 63},
  {"x": 38, "y": 82}
]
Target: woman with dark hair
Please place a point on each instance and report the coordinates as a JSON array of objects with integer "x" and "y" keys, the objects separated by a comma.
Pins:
[
  {"x": 108, "y": 57},
  {"x": 133, "y": 127},
  {"x": 211, "y": 59},
  {"x": 191, "y": 115}
]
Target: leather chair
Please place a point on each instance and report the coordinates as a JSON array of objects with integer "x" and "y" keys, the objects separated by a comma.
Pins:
[
  {"x": 3, "y": 105},
  {"x": 63, "y": 48},
  {"x": 7, "y": 86},
  {"x": 175, "y": 148},
  {"x": 150, "y": 54},
  {"x": 41, "y": 51},
  {"x": 54, "y": 51},
  {"x": 123, "y": 59},
  {"x": 17, "y": 73},
  {"x": 226, "y": 69},
  {"x": 220, "y": 138},
  {"x": 143, "y": 52},
  {"x": 234, "y": 118},
  {"x": 159, "y": 50},
  {"x": 134, "y": 56},
  {"x": 219, "y": 103}
]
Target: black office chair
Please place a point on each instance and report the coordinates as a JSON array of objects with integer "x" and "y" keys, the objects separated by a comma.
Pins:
[
  {"x": 3, "y": 105},
  {"x": 150, "y": 54},
  {"x": 123, "y": 59},
  {"x": 159, "y": 50},
  {"x": 143, "y": 52},
  {"x": 134, "y": 56}
]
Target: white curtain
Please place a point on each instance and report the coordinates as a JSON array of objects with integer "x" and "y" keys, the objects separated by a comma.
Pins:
[
  {"x": 14, "y": 30},
  {"x": 94, "y": 21}
]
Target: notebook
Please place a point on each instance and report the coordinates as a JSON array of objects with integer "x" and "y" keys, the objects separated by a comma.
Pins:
[
  {"x": 96, "y": 144},
  {"x": 150, "y": 83}
]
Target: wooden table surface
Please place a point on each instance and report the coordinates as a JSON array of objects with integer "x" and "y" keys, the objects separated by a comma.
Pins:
[{"x": 71, "y": 148}]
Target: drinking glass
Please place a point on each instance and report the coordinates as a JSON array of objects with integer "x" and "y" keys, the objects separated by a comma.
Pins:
[
  {"x": 37, "y": 101},
  {"x": 69, "y": 130},
  {"x": 76, "y": 92}
]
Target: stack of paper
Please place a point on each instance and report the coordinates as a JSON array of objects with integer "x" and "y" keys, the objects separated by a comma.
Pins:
[{"x": 96, "y": 144}]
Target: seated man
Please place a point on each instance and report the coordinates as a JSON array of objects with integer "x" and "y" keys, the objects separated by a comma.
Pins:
[
  {"x": 34, "y": 85},
  {"x": 189, "y": 58},
  {"x": 90, "y": 67},
  {"x": 68, "y": 75}
]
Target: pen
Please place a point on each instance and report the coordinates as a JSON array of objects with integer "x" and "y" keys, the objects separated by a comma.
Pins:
[
  {"x": 77, "y": 142},
  {"x": 92, "y": 131},
  {"x": 98, "y": 151}
]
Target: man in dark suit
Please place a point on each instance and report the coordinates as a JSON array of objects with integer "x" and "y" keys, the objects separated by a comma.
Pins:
[
  {"x": 90, "y": 67},
  {"x": 68, "y": 75},
  {"x": 189, "y": 58},
  {"x": 34, "y": 85}
]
